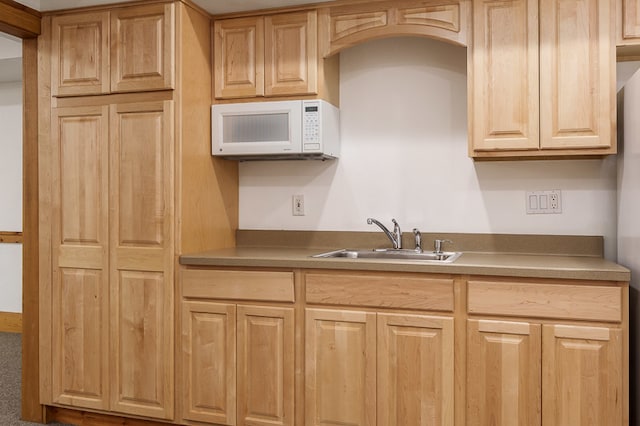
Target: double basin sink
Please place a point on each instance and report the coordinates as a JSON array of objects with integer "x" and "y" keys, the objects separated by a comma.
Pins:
[{"x": 393, "y": 254}]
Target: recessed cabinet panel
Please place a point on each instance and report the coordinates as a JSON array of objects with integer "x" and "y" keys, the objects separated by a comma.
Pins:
[
  {"x": 141, "y": 171},
  {"x": 340, "y": 368},
  {"x": 291, "y": 54},
  {"x": 81, "y": 135},
  {"x": 628, "y": 22},
  {"x": 415, "y": 370},
  {"x": 503, "y": 373},
  {"x": 80, "y": 54},
  {"x": 581, "y": 376},
  {"x": 265, "y": 343},
  {"x": 505, "y": 75},
  {"x": 142, "y": 48},
  {"x": 209, "y": 362},
  {"x": 577, "y": 74},
  {"x": 239, "y": 57},
  {"x": 141, "y": 344},
  {"x": 80, "y": 365}
]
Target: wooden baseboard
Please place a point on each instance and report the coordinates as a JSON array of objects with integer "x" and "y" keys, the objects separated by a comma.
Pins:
[
  {"x": 10, "y": 322},
  {"x": 85, "y": 418}
]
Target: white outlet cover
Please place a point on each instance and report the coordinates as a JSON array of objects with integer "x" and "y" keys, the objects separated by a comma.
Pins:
[{"x": 544, "y": 202}]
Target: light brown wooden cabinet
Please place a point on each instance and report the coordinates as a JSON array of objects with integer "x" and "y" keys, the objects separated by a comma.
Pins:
[
  {"x": 628, "y": 29},
  {"x": 368, "y": 368},
  {"x": 120, "y": 179},
  {"x": 141, "y": 249},
  {"x": 129, "y": 49},
  {"x": 581, "y": 375},
  {"x": 377, "y": 367},
  {"x": 272, "y": 55},
  {"x": 112, "y": 254},
  {"x": 357, "y": 22},
  {"x": 237, "y": 362},
  {"x": 542, "y": 79},
  {"x": 544, "y": 372},
  {"x": 503, "y": 373},
  {"x": 391, "y": 348},
  {"x": 80, "y": 257}
]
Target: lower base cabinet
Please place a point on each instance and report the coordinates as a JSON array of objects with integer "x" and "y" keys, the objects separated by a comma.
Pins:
[
  {"x": 368, "y": 368},
  {"x": 581, "y": 375},
  {"x": 503, "y": 373},
  {"x": 238, "y": 363},
  {"x": 521, "y": 373},
  {"x": 312, "y": 348}
]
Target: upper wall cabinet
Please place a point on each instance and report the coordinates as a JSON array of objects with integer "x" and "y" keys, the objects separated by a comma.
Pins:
[
  {"x": 130, "y": 49},
  {"x": 628, "y": 29},
  {"x": 273, "y": 55},
  {"x": 542, "y": 79}
]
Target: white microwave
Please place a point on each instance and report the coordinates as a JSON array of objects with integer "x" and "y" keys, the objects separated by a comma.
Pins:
[{"x": 277, "y": 130}]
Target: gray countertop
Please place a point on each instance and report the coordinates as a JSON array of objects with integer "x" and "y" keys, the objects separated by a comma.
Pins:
[{"x": 470, "y": 263}]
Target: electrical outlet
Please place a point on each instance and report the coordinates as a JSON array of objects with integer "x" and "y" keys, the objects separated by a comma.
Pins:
[
  {"x": 544, "y": 202},
  {"x": 298, "y": 205}
]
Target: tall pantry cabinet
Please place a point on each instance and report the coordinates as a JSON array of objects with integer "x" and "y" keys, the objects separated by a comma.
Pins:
[{"x": 124, "y": 158}]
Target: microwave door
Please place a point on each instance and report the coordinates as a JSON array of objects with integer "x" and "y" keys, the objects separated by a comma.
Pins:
[{"x": 264, "y": 130}]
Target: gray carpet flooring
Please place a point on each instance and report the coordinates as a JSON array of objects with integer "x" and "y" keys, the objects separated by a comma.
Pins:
[{"x": 10, "y": 380}]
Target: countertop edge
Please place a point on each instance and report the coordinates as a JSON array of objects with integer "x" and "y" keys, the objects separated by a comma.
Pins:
[{"x": 612, "y": 271}]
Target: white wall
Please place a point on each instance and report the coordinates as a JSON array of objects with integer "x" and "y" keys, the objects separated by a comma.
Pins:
[
  {"x": 11, "y": 149},
  {"x": 404, "y": 155},
  {"x": 11, "y": 194},
  {"x": 629, "y": 224}
]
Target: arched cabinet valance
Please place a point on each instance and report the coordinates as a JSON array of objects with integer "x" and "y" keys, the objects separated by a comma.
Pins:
[{"x": 348, "y": 25}]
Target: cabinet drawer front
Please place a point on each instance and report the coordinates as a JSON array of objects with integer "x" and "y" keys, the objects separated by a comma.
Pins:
[
  {"x": 596, "y": 303},
  {"x": 242, "y": 285},
  {"x": 387, "y": 291}
]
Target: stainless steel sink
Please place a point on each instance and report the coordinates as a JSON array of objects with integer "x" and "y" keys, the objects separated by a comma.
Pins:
[{"x": 398, "y": 254}]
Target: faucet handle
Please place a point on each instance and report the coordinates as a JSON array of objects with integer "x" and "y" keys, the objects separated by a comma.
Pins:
[
  {"x": 397, "y": 234},
  {"x": 418, "y": 237},
  {"x": 437, "y": 245}
]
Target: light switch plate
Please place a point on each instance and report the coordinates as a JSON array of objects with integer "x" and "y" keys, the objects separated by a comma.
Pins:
[{"x": 544, "y": 202}]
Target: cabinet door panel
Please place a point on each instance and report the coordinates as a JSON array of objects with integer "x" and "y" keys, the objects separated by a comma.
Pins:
[
  {"x": 577, "y": 74},
  {"x": 80, "y": 287},
  {"x": 80, "y": 369},
  {"x": 291, "y": 54},
  {"x": 142, "y": 48},
  {"x": 239, "y": 57},
  {"x": 581, "y": 376},
  {"x": 629, "y": 22},
  {"x": 142, "y": 173},
  {"x": 209, "y": 362},
  {"x": 504, "y": 82},
  {"x": 140, "y": 342},
  {"x": 340, "y": 350},
  {"x": 265, "y": 366},
  {"x": 141, "y": 256},
  {"x": 415, "y": 370},
  {"x": 80, "y": 54},
  {"x": 503, "y": 373}
]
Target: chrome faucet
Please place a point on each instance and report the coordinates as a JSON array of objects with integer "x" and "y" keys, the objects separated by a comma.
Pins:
[{"x": 395, "y": 236}]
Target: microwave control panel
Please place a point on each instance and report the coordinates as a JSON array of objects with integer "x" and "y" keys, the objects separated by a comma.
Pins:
[{"x": 311, "y": 126}]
